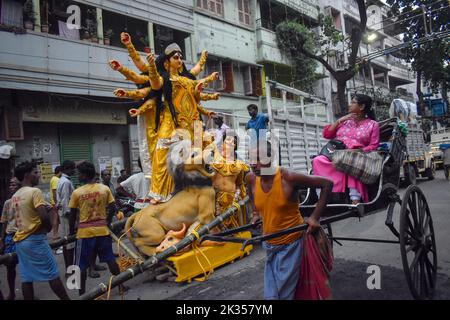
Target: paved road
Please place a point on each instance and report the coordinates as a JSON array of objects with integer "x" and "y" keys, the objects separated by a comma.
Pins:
[{"x": 243, "y": 280}]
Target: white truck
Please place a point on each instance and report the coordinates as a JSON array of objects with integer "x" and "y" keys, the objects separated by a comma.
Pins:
[
  {"x": 438, "y": 137},
  {"x": 419, "y": 158}
]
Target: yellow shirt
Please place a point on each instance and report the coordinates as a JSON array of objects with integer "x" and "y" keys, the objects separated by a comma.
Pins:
[
  {"x": 92, "y": 200},
  {"x": 53, "y": 185},
  {"x": 24, "y": 204}
]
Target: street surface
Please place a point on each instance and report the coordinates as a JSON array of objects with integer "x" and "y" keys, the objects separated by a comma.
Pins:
[{"x": 243, "y": 280}]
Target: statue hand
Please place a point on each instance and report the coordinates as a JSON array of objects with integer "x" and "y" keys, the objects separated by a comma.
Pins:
[
  {"x": 151, "y": 58},
  {"x": 205, "y": 54},
  {"x": 134, "y": 112},
  {"x": 216, "y": 96},
  {"x": 114, "y": 64},
  {"x": 215, "y": 76},
  {"x": 125, "y": 38},
  {"x": 119, "y": 93}
]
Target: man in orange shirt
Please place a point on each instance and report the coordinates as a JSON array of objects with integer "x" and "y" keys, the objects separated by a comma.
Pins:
[
  {"x": 92, "y": 205},
  {"x": 275, "y": 195}
]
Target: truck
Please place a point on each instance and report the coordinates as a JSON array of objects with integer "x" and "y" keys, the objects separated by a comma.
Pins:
[
  {"x": 419, "y": 160},
  {"x": 438, "y": 137}
]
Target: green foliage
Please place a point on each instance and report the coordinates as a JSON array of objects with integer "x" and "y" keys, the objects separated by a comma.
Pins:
[
  {"x": 291, "y": 36},
  {"x": 431, "y": 58},
  {"x": 330, "y": 35}
]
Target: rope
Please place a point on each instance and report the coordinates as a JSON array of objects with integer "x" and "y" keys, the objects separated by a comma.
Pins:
[
  {"x": 126, "y": 262},
  {"x": 197, "y": 249},
  {"x": 109, "y": 288}
]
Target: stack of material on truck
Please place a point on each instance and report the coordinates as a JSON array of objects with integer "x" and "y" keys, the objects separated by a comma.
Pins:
[{"x": 419, "y": 160}]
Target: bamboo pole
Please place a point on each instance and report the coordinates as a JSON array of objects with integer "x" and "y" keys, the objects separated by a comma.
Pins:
[
  {"x": 154, "y": 260},
  {"x": 9, "y": 257}
]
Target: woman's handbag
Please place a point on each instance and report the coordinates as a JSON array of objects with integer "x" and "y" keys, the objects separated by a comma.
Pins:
[
  {"x": 330, "y": 147},
  {"x": 366, "y": 167}
]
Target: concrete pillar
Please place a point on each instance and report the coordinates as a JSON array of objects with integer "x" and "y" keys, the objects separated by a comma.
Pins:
[
  {"x": 372, "y": 76},
  {"x": 100, "y": 25},
  {"x": 344, "y": 31},
  {"x": 151, "y": 37},
  {"x": 37, "y": 15}
]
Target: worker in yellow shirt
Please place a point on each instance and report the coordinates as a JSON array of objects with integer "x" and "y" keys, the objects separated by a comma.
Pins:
[
  {"x": 33, "y": 221},
  {"x": 92, "y": 206},
  {"x": 55, "y": 217}
]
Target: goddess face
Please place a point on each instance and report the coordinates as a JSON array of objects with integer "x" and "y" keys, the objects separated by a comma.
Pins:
[{"x": 176, "y": 61}]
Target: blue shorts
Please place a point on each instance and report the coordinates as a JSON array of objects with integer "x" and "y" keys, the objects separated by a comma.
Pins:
[
  {"x": 10, "y": 245},
  {"x": 282, "y": 270},
  {"x": 36, "y": 260},
  {"x": 88, "y": 248}
]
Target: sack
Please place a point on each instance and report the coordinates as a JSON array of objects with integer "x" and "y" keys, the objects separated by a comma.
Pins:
[
  {"x": 366, "y": 167},
  {"x": 315, "y": 268},
  {"x": 330, "y": 147}
]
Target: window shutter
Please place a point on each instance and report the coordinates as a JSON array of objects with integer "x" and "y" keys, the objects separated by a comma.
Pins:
[
  {"x": 256, "y": 82},
  {"x": 227, "y": 68},
  {"x": 13, "y": 124},
  {"x": 248, "y": 88}
]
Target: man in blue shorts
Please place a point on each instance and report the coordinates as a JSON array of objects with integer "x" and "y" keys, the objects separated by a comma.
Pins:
[
  {"x": 33, "y": 220},
  {"x": 92, "y": 205}
]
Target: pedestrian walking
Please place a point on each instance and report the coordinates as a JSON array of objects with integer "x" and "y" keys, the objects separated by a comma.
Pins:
[
  {"x": 7, "y": 244},
  {"x": 55, "y": 216},
  {"x": 33, "y": 220},
  {"x": 63, "y": 194}
]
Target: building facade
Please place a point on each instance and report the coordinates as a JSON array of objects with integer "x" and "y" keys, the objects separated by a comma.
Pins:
[{"x": 56, "y": 88}]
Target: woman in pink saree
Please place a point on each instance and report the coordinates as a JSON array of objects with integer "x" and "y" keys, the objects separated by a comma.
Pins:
[{"x": 357, "y": 130}]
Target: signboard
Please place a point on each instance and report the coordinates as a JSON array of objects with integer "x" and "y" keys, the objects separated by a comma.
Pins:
[
  {"x": 117, "y": 165},
  {"x": 104, "y": 163},
  {"x": 46, "y": 170}
]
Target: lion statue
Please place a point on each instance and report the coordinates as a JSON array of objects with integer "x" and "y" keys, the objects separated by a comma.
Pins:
[{"x": 191, "y": 202}]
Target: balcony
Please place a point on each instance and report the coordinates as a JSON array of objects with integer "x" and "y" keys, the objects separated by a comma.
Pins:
[
  {"x": 44, "y": 62},
  {"x": 306, "y": 7},
  {"x": 351, "y": 8},
  {"x": 267, "y": 48}
]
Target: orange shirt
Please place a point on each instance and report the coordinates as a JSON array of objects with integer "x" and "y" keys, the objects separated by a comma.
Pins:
[{"x": 277, "y": 211}]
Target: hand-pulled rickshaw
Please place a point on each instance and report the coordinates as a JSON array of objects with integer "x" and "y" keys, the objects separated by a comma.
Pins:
[{"x": 415, "y": 232}]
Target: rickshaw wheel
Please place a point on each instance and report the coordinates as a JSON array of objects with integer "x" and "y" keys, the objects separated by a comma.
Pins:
[{"x": 417, "y": 244}]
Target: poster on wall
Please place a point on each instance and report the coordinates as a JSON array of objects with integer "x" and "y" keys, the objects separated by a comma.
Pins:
[
  {"x": 47, "y": 148},
  {"x": 46, "y": 170},
  {"x": 104, "y": 163},
  {"x": 37, "y": 147},
  {"x": 117, "y": 165}
]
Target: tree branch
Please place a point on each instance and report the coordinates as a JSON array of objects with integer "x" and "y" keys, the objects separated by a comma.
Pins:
[
  {"x": 356, "y": 33},
  {"x": 319, "y": 59}
]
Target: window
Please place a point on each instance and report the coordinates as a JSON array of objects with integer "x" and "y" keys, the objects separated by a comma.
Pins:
[
  {"x": 12, "y": 122},
  {"x": 252, "y": 81},
  {"x": 213, "y": 6},
  {"x": 164, "y": 36},
  {"x": 215, "y": 66},
  {"x": 11, "y": 13},
  {"x": 114, "y": 24},
  {"x": 244, "y": 11}
]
